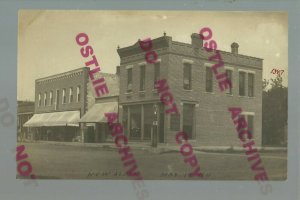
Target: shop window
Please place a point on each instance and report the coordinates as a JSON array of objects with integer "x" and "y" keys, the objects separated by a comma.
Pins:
[
  {"x": 188, "y": 119},
  {"x": 250, "y": 121},
  {"x": 135, "y": 122},
  {"x": 125, "y": 120},
  {"x": 174, "y": 122},
  {"x": 149, "y": 118}
]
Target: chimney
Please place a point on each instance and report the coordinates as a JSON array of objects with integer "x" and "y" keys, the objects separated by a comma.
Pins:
[
  {"x": 235, "y": 48},
  {"x": 197, "y": 42}
]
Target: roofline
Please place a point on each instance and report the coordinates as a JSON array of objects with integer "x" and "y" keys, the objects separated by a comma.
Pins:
[
  {"x": 221, "y": 51},
  {"x": 57, "y": 75}
]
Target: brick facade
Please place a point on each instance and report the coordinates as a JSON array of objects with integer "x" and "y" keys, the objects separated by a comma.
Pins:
[
  {"x": 72, "y": 79},
  {"x": 212, "y": 124}
]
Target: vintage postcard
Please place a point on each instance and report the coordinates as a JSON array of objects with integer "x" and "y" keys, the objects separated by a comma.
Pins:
[{"x": 152, "y": 95}]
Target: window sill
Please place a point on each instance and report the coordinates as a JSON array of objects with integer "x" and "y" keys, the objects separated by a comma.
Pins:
[
  {"x": 188, "y": 90},
  {"x": 128, "y": 93}
]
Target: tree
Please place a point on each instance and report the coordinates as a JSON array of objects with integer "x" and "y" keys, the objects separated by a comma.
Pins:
[{"x": 274, "y": 112}]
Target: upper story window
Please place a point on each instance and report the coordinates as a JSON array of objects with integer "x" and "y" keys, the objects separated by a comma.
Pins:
[
  {"x": 242, "y": 83},
  {"x": 229, "y": 75},
  {"x": 187, "y": 76},
  {"x": 70, "y": 95},
  {"x": 64, "y": 98},
  {"x": 208, "y": 80},
  {"x": 51, "y": 97},
  {"x": 142, "y": 77},
  {"x": 156, "y": 72},
  {"x": 45, "y": 99},
  {"x": 251, "y": 85},
  {"x": 78, "y": 94},
  {"x": 129, "y": 80},
  {"x": 40, "y": 100}
]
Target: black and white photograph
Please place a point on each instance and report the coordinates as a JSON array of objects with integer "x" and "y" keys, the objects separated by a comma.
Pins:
[{"x": 152, "y": 95}]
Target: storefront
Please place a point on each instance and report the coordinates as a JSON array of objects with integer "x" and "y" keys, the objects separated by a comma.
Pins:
[
  {"x": 95, "y": 123},
  {"x": 55, "y": 126},
  {"x": 139, "y": 121}
]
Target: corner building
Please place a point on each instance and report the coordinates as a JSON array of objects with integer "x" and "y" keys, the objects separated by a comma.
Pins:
[{"x": 203, "y": 108}]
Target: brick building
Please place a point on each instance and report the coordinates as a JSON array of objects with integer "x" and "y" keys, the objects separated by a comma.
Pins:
[
  {"x": 60, "y": 101},
  {"x": 66, "y": 107},
  {"x": 94, "y": 121},
  {"x": 203, "y": 108},
  {"x": 24, "y": 113}
]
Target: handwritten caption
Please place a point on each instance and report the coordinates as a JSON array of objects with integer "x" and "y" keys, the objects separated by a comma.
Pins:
[{"x": 279, "y": 72}]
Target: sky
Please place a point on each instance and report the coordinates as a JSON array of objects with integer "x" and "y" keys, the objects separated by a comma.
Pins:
[{"x": 47, "y": 46}]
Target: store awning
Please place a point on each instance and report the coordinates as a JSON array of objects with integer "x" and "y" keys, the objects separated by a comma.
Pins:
[
  {"x": 96, "y": 113},
  {"x": 67, "y": 118}
]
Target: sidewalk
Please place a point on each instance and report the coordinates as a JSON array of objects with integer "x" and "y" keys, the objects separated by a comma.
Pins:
[{"x": 161, "y": 148}]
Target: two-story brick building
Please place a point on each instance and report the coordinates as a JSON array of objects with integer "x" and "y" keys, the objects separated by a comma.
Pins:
[
  {"x": 203, "y": 108},
  {"x": 66, "y": 107},
  {"x": 60, "y": 101}
]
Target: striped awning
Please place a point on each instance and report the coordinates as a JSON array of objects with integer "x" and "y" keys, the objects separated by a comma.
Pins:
[
  {"x": 67, "y": 118},
  {"x": 97, "y": 111}
]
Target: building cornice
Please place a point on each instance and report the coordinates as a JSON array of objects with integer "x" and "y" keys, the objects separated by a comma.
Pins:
[{"x": 69, "y": 74}]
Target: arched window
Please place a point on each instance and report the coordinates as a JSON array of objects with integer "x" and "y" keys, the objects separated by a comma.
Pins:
[
  {"x": 71, "y": 95},
  {"x": 45, "y": 99},
  {"x": 51, "y": 98},
  {"x": 78, "y": 94},
  {"x": 40, "y": 101},
  {"x": 64, "y": 96}
]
